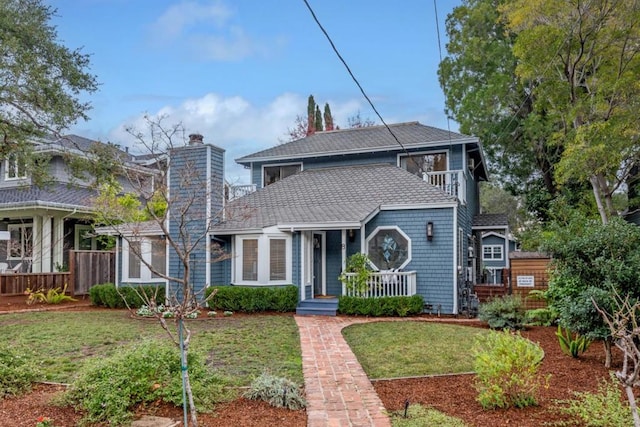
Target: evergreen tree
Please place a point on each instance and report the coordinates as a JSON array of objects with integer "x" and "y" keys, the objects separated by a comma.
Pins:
[
  {"x": 318, "y": 119},
  {"x": 311, "y": 116},
  {"x": 328, "y": 119}
]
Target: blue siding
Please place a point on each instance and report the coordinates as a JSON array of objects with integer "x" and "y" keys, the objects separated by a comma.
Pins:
[
  {"x": 432, "y": 261},
  {"x": 495, "y": 240},
  {"x": 296, "y": 242},
  {"x": 188, "y": 173},
  {"x": 221, "y": 270}
]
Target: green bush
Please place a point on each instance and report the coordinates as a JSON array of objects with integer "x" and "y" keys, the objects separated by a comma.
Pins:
[
  {"x": 601, "y": 409},
  {"x": 572, "y": 344},
  {"x": 506, "y": 366},
  {"x": 541, "y": 317},
  {"x": 383, "y": 306},
  {"x": 107, "y": 295},
  {"x": 253, "y": 299},
  {"x": 16, "y": 373},
  {"x": 108, "y": 388},
  {"x": 506, "y": 312},
  {"x": 277, "y": 391}
]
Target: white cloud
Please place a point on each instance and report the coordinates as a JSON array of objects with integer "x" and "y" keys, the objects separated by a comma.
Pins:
[
  {"x": 205, "y": 31},
  {"x": 235, "y": 124}
]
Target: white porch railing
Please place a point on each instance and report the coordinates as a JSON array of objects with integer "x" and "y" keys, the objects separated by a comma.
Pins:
[
  {"x": 385, "y": 284},
  {"x": 237, "y": 191},
  {"x": 451, "y": 182}
]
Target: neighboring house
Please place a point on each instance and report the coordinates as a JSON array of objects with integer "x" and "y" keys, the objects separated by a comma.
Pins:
[
  {"x": 406, "y": 195},
  {"x": 39, "y": 225},
  {"x": 496, "y": 247}
]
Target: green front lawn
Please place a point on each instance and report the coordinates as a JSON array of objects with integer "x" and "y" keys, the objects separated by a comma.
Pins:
[
  {"x": 240, "y": 347},
  {"x": 410, "y": 349}
]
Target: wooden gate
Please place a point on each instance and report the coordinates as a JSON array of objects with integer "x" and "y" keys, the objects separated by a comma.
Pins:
[
  {"x": 529, "y": 271},
  {"x": 89, "y": 268}
]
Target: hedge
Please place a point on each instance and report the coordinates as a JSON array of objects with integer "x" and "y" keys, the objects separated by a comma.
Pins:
[
  {"x": 383, "y": 306},
  {"x": 107, "y": 295},
  {"x": 253, "y": 299}
]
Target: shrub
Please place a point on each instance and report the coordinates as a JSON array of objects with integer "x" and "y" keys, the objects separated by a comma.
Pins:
[
  {"x": 51, "y": 296},
  {"x": 506, "y": 366},
  {"x": 504, "y": 312},
  {"x": 107, "y": 388},
  {"x": 253, "y": 299},
  {"x": 277, "y": 391},
  {"x": 601, "y": 409},
  {"x": 383, "y": 306},
  {"x": 572, "y": 345},
  {"x": 16, "y": 373},
  {"x": 107, "y": 295},
  {"x": 541, "y": 317}
]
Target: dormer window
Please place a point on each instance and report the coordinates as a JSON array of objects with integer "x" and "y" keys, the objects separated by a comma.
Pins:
[
  {"x": 273, "y": 174},
  {"x": 14, "y": 168}
]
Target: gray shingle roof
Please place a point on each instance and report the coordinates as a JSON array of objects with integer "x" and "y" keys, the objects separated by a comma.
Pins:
[
  {"x": 373, "y": 138},
  {"x": 330, "y": 195},
  {"x": 61, "y": 196}
]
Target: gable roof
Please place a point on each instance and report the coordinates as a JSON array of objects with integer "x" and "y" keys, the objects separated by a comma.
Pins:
[
  {"x": 337, "y": 197},
  {"x": 488, "y": 221},
  {"x": 358, "y": 140}
]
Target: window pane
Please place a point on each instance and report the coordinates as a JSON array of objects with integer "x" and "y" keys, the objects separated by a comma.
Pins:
[
  {"x": 134, "y": 260},
  {"x": 423, "y": 163},
  {"x": 278, "y": 259},
  {"x": 388, "y": 249},
  {"x": 158, "y": 257},
  {"x": 289, "y": 170},
  {"x": 250, "y": 259},
  {"x": 15, "y": 243},
  {"x": 271, "y": 175}
]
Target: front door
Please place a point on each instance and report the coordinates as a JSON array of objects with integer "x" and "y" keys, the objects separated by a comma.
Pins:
[{"x": 318, "y": 266}]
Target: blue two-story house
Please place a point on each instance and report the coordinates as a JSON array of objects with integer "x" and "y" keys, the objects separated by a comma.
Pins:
[{"x": 407, "y": 195}]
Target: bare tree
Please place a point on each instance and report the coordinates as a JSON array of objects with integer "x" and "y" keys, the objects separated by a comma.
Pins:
[
  {"x": 625, "y": 331},
  {"x": 169, "y": 210}
]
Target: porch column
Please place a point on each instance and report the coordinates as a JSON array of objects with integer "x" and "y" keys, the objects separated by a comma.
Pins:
[
  {"x": 343, "y": 237},
  {"x": 36, "y": 251},
  {"x": 46, "y": 244},
  {"x": 58, "y": 242}
]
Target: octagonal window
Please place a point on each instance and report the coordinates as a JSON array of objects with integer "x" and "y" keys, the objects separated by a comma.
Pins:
[{"x": 388, "y": 248}]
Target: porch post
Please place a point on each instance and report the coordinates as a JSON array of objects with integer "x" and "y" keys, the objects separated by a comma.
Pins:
[
  {"x": 303, "y": 265},
  {"x": 344, "y": 248},
  {"x": 58, "y": 241},
  {"x": 46, "y": 244},
  {"x": 36, "y": 245}
]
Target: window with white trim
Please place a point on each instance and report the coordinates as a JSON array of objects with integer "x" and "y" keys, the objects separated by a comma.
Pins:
[
  {"x": 139, "y": 255},
  {"x": 492, "y": 253},
  {"x": 423, "y": 163},
  {"x": 20, "y": 245},
  {"x": 388, "y": 248},
  {"x": 262, "y": 260},
  {"x": 273, "y": 174},
  {"x": 14, "y": 168}
]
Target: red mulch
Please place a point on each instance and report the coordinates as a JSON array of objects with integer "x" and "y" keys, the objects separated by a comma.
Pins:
[{"x": 454, "y": 395}]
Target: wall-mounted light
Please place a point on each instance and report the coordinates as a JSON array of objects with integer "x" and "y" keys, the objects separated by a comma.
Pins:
[
  {"x": 429, "y": 231},
  {"x": 352, "y": 235}
]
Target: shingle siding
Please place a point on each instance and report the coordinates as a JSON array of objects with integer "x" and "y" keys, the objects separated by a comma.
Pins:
[{"x": 433, "y": 261}]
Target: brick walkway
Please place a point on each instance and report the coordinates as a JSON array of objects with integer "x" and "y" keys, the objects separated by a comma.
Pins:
[{"x": 338, "y": 392}]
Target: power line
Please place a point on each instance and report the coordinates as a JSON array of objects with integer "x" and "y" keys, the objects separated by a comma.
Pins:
[{"x": 333, "y": 46}]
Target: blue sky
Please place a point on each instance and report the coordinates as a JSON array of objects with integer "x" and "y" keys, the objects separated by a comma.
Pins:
[{"x": 240, "y": 71}]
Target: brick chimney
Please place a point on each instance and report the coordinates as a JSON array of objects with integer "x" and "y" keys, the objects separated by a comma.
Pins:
[{"x": 195, "y": 139}]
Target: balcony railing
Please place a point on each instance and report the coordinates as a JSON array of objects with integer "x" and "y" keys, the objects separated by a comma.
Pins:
[
  {"x": 236, "y": 191},
  {"x": 385, "y": 284},
  {"x": 451, "y": 182}
]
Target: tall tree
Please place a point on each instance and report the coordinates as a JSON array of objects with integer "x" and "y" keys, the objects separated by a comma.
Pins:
[
  {"x": 486, "y": 97},
  {"x": 584, "y": 58},
  {"x": 40, "y": 79},
  {"x": 311, "y": 116},
  {"x": 318, "y": 120},
  {"x": 328, "y": 118},
  {"x": 356, "y": 121}
]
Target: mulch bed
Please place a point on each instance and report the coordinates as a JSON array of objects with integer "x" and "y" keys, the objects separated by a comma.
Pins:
[{"x": 454, "y": 395}]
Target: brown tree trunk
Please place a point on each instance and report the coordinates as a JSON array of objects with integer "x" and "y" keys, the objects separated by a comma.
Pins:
[{"x": 607, "y": 353}]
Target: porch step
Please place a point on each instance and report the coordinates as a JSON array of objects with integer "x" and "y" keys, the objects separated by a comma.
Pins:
[{"x": 318, "y": 307}]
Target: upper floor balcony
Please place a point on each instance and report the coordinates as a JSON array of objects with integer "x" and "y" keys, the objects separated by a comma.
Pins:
[
  {"x": 451, "y": 182},
  {"x": 233, "y": 192}
]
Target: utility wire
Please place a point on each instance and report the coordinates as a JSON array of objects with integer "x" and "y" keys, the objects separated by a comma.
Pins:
[{"x": 333, "y": 46}]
